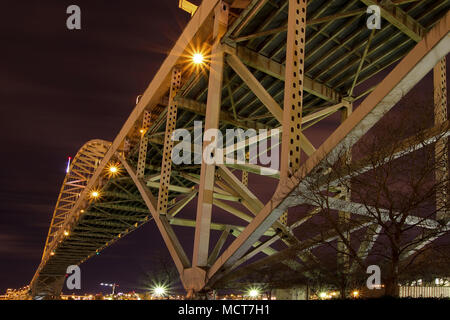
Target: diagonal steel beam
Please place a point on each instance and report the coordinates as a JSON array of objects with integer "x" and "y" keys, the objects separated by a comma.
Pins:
[
  {"x": 287, "y": 253},
  {"x": 219, "y": 245},
  {"x": 181, "y": 204},
  {"x": 256, "y": 87},
  {"x": 176, "y": 250},
  {"x": 366, "y": 244},
  {"x": 277, "y": 70}
]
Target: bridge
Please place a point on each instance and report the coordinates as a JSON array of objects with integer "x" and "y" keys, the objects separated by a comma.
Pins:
[{"x": 280, "y": 65}]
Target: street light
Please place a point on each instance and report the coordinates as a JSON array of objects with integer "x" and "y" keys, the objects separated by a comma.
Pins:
[
  {"x": 95, "y": 194},
  {"x": 198, "y": 58},
  {"x": 113, "y": 170},
  {"x": 253, "y": 292},
  {"x": 159, "y": 290}
]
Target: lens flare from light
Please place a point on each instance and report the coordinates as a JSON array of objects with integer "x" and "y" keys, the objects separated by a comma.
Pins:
[
  {"x": 113, "y": 170},
  {"x": 159, "y": 290},
  {"x": 95, "y": 194},
  {"x": 198, "y": 58},
  {"x": 253, "y": 292}
]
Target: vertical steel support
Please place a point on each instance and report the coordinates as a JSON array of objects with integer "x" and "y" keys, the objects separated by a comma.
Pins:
[
  {"x": 245, "y": 173},
  {"x": 205, "y": 195},
  {"x": 293, "y": 92},
  {"x": 143, "y": 145},
  {"x": 293, "y": 88},
  {"x": 344, "y": 217},
  {"x": 171, "y": 121},
  {"x": 284, "y": 218},
  {"x": 441, "y": 149},
  {"x": 245, "y": 178}
]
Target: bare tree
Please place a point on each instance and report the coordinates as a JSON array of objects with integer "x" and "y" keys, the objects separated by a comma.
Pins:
[
  {"x": 162, "y": 273},
  {"x": 389, "y": 190}
]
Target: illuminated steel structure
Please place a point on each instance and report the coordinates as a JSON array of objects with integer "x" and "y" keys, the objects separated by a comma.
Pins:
[{"x": 283, "y": 64}]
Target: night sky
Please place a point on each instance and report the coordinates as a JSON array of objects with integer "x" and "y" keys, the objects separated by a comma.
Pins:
[{"x": 60, "y": 88}]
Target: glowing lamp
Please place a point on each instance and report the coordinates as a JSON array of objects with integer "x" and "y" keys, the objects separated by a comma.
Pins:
[{"x": 198, "y": 58}]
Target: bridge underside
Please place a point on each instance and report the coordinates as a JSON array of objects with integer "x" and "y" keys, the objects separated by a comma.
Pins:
[{"x": 276, "y": 64}]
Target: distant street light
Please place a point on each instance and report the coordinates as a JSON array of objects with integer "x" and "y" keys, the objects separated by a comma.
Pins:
[
  {"x": 253, "y": 292},
  {"x": 159, "y": 290},
  {"x": 323, "y": 295}
]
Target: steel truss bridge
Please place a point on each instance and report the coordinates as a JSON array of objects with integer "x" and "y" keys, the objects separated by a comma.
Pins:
[{"x": 285, "y": 64}]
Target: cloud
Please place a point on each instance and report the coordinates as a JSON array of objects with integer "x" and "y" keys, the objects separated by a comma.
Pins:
[{"x": 18, "y": 247}]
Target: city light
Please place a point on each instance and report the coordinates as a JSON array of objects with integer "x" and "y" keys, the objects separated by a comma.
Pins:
[
  {"x": 66, "y": 233},
  {"x": 198, "y": 58},
  {"x": 159, "y": 290},
  {"x": 95, "y": 194},
  {"x": 253, "y": 293},
  {"x": 355, "y": 294},
  {"x": 323, "y": 295}
]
